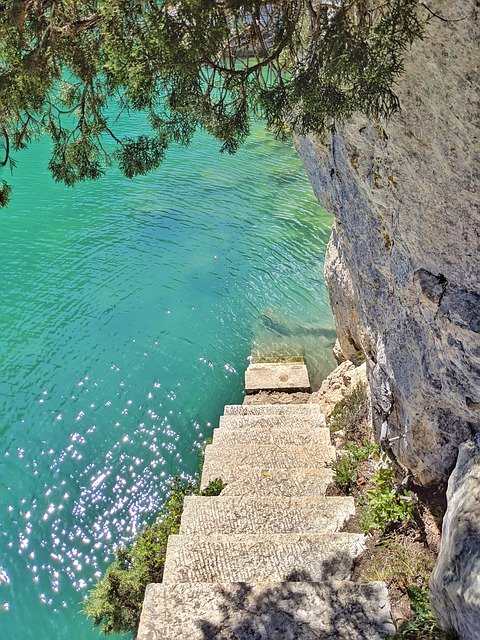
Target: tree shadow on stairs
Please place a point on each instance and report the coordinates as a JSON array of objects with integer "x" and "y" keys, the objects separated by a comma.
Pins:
[{"x": 293, "y": 610}]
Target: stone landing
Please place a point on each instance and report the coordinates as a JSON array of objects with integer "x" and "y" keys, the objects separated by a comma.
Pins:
[{"x": 276, "y": 376}]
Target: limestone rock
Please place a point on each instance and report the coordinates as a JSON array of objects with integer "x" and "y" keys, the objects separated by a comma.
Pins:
[
  {"x": 403, "y": 262},
  {"x": 299, "y": 410},
  {"x": 272, "y": 420},
  {"x": 338, "y": 385},
  {"x": 455, "y": 582},
  {"x": 280, "y": 436},
  {"x": 223, "y": 461}
]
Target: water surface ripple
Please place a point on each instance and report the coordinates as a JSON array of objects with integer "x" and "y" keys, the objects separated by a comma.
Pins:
[{"x": 128, "y": 311}]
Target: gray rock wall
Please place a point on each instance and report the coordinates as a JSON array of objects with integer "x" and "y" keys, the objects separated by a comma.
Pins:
[
  {"x": 455, "y": 582},
  {"x": 403, "y": 261}
]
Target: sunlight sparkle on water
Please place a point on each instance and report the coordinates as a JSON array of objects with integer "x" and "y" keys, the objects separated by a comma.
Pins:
[{"x": 132, "y": 309}]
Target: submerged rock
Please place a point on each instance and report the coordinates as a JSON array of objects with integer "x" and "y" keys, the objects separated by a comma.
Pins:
[{"x": 285, "y": 326}]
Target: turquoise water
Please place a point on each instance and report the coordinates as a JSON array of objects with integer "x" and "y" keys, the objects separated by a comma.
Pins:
[{"x": 128, "y": 311}]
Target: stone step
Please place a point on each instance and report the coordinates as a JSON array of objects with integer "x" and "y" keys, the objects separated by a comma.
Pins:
[
  {"x": 222, "y": 458},
  {"x": 276, "y": 376},
  {"x": 279, "y": 436},
  {"x": 280, "y": 397},
  {"x": 243, "y": 557},
  {"x": 284, "y": 482},
  {"x": 267, "y": 611},
  {"x": 303, "y": 409},
  {"x": 267, "y": 475},
  {"x": 266, "y": 421},
  {"x": 261, "y": 514}
]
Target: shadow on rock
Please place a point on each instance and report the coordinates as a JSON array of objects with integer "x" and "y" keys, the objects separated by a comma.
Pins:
[{"x": 299, "y": 609}]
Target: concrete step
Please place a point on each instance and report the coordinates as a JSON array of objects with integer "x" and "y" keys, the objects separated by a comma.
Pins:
[
  {"x": 243, "y": 557},
  {"x": 266, "y": 611},
  {"x": 308, "y": 410},
  {"x": 280, "y": 436},
  {"x": 284, "y": 482},
  {"x": 276, "y": 376},
  {"x": 220, "y": 459},
  {"x": 261, "y": 514},
  {"x": 268, "y": 420}
]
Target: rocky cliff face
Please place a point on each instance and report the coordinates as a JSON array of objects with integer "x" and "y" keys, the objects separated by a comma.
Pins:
[
  {"x": 455, "y": 582},
  {"x": 403, "y": 261}
]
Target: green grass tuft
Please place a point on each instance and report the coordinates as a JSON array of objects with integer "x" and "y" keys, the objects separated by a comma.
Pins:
[
  {"x": 214, "y": 488},
  {"x": 422, "y": 625},
  {"x": 346, "y": 469},
  {"x": 351, "y": 415}
]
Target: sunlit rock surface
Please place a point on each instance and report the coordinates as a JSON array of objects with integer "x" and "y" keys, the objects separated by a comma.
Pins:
[
  {"x": 455, "y": 583},
  {"x": 403, "y": 260},
  {"x": 339, "y": 384}
]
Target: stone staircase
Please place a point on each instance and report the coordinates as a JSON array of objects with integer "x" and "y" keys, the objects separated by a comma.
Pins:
[{"x": 267, "y": 558}]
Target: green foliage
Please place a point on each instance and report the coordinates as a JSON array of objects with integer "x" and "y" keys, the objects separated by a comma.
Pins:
[
  {"x": 351, "y": 414},
  {"x": 214, "y": 488},
  {"x": 422, "y": 625},
  {"x": 65, "y": 65},
  {"x": 385, "y": 503},
  {"x": 346, "y": 469},
  {"x": 136, "y": 157},
  {"x": 115, "y": 602},
  {"x": 5, "y": 191}
]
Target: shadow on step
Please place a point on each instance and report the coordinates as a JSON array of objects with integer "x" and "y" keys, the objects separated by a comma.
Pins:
[{"x": 299, "y": 609}]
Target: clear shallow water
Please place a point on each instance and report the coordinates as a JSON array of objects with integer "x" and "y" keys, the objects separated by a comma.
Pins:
[{"x": 128, "y": 310}]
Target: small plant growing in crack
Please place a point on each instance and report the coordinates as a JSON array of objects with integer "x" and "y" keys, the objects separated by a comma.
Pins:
[
  {"x": 347, "y": 468},
  {"x": 385, "y": 504}
]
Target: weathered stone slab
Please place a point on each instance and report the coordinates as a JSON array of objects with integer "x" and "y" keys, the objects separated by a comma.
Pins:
[
  {"x": 266, "y": 611},
  {"x": 233, "y": 472},
  {"x": 244, "y": 557},
  {"x": 284, "y": 482},
  {"x": 268, "y": 420},
  {"x": 279, "y": 436},
  {"x": 275, "y": 376},
  {"x": 308, "y": 410},
  {"x": 221, "y": 459},
  {"x": 261, "y": 514},
  {"x": 455, "y": 581}
]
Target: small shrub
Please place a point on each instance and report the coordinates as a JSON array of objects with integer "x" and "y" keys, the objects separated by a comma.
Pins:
[
  {"x": 422, "y": 625},
  {"x": 347, "y": 468},
  {"x": 351, "y": 415},
  {"x": 115, "y": 603},
  {"x": 214, "y": 488},
  {"x": 385, "y": 504}
]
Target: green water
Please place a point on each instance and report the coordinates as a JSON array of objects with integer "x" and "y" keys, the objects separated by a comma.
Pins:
[{"x": 128, "y": 311}]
